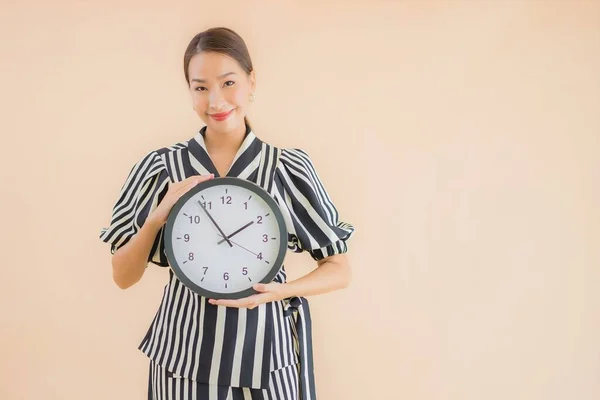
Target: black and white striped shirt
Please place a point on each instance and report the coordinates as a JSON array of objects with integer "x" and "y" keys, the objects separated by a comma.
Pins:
[{"x": 221, "y": 345}]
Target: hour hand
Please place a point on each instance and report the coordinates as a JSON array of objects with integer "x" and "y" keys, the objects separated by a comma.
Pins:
[
  {"x": 235, "y": 233},
  {"x": 215, "y": 223}
]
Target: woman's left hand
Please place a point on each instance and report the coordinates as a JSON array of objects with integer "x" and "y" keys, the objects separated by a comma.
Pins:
[{"x": 267, "y": 292}]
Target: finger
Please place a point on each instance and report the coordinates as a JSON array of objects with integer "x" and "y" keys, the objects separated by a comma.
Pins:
[
  {"x": 190, "y": 182},
  {"x": 248, "y": 302},
  {"x": 271, "y": 287},
  {"x": 240, "y": 303},
  {"x": 193, "y": 181},
  {"x": 261, "y": 287},
  {"x": 202, "y": 178}
]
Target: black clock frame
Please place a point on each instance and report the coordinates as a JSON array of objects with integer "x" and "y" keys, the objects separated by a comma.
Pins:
[{"x": 254, "y": 188}]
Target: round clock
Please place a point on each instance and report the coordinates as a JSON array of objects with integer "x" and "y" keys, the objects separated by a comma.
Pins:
[{"x": 225, "y": 235}]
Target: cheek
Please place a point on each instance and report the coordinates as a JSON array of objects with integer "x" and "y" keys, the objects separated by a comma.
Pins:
[
  {"x": 200, "y": 102},
  {"x": 240, "y": 98}
]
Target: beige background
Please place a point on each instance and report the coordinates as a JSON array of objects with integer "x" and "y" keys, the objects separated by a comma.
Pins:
[{"x": 461, "y": 138}]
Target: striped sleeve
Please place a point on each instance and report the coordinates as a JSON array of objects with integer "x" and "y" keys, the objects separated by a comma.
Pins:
[
  {"x": 144, "y": 188},
  {"x": 313, "y": 220}
]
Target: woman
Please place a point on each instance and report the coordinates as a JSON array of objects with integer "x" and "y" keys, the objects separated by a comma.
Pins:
[{"x": 258, "y": 347}]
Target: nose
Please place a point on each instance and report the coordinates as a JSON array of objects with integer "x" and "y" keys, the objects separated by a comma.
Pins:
[{"x": 216, "y": 101}]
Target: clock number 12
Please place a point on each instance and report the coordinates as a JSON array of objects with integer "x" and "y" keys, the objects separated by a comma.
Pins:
[{"x": 225, "y": 199}]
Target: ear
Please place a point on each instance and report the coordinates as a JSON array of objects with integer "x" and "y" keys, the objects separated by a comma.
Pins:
[{"x": 252, "y": 81}]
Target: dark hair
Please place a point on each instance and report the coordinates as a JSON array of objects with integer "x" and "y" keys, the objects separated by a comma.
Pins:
[{"x": 219, "y": 40}]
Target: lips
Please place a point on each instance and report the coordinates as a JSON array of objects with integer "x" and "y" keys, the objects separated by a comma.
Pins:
[{"x": 221, "y": 116}]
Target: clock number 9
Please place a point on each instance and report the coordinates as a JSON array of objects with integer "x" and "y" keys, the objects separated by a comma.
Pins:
[
  {"x": 194, "y": 219},
  {"x": 186, "y": 238}
]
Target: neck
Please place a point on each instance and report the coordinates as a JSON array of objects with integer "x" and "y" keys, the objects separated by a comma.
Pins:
[{"x": 224, "y": 141}]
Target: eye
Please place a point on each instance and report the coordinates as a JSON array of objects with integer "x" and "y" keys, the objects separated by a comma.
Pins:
[
  {"x": 200, "y": 88},
  {"x": 229, "y": 83}
]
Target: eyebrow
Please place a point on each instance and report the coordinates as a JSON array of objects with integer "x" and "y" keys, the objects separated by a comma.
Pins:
[{"x": 219, "y": 77}]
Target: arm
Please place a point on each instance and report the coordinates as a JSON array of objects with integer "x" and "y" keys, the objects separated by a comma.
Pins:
[
  {"x": 333, "y": 273},
  {"x": 129, "y": 262}
]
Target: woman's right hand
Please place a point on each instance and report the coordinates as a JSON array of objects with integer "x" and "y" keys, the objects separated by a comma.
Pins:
[{"x": 176, "y": 190}]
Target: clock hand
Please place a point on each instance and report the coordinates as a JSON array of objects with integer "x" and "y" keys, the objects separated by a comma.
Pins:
[
  {"x": 239, "y": 245},
  {"x": 236, "y": 232},
  {"x": 215, "y": 223}
]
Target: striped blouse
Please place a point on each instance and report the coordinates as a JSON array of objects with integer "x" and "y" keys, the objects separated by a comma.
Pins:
[{"x": 222, "y": 345}]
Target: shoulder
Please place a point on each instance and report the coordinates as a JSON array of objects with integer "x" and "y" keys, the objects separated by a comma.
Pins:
[
  {"x": 159, "y": 157},
  {"x": 174, "y": 150},
  {"x": 154, "y": 162},
  {"x": 293, "y": 152},
  {"x": 149, "y": 161},
  {"x": 297, "y": 169},
  {"x": 296, "y": 159}
]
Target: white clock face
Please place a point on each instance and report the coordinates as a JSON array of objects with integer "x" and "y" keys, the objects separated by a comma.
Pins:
[{"x": 225, "y": 238}]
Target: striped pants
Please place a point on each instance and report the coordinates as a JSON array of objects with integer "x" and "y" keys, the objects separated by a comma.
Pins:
[{"x": 162, "y": 385}]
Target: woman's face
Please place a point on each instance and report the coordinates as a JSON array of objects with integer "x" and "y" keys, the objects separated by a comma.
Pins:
[{"x": 220, "y": 91}]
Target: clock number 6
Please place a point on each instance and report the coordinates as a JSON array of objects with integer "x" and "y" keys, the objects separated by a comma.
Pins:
[{"x": 226, "y": 276}]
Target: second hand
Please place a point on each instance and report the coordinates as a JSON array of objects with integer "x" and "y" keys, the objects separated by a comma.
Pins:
[{"x": 239, "y": 245}]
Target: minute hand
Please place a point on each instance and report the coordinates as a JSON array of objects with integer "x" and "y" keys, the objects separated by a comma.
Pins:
[
  {"x": 214, "y": 223},
  {"x": 235, "y": 233}
]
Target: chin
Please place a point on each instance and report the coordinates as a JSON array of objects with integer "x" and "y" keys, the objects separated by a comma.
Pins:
[{"x": 225, "y": 126}]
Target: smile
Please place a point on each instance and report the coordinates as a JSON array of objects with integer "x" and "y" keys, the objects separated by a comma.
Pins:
[{"x": 221, "y": 116}]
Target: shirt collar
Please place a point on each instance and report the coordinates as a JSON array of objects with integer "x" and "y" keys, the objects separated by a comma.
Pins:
[{"x": 246, "y": 160}]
